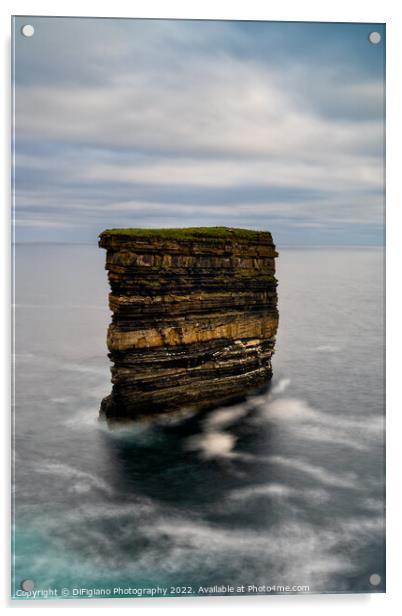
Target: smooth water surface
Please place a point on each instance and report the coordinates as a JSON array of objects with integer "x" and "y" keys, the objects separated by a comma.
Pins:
[{"x": 284, "y": 489}]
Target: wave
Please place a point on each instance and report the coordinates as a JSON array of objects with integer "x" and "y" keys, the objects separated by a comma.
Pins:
[
  {"x": 168, "y": 548},
  {"x": 327, "y": 348},
  {"x": 212, "y": 444},
  {"x": 80, "y": 481},
  {"x": 213, "y": 441},
  {"x": 310, "y": 423},
  {"x": 280, "y": 387},
  {"x": 278, "y": 491},
  {"x": 319, "y": 473}
]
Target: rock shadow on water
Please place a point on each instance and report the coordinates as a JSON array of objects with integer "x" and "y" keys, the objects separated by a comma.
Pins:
[{"x": 190, "y": 460}]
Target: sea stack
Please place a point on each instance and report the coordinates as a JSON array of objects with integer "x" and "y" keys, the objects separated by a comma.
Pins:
[{"x": 194, "y": 318}]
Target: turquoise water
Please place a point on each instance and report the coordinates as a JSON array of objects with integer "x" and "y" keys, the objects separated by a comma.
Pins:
[{"x": 283, "y": 492}]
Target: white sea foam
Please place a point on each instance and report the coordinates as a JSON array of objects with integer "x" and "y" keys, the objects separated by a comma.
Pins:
[
  {"x": 312, "y": 424},
  {"x": 280, "y": 387},
  {"x": 278, "y": 491},
  {"x": 327, "y": 348},
  {"x": 83, "y": 418},
  {"x": 76, "y": 480},
  {"x": 212, "y": 444},
  {"x": 293, "y": 551},
  {"x": 225, "y": 416},
  {"x": 140, "y": 509},
  {"x": 288, "y": 409},
  {"x": 290, "y": 550},
  {"x": 215, "y": 441},
  {"x": 319, "y": 473}
]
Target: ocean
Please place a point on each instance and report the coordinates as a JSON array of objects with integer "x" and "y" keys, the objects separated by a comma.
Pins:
[{"x": 283, "y": 493}]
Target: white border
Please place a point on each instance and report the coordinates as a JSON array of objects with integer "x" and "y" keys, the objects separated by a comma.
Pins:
[{"x": 289, "y": 10}]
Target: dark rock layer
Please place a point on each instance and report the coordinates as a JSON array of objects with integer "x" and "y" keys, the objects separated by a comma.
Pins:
[{"x": 194, "y": 317}]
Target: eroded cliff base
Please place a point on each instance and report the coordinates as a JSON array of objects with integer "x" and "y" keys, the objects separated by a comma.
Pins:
[{"x": 194, "y": 318}]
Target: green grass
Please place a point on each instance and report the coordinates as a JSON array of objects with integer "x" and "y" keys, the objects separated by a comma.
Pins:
[{"x": 189, "y": 233}]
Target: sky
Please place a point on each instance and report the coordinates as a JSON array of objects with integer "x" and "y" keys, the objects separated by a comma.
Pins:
[{"x": 174, "y": 123}]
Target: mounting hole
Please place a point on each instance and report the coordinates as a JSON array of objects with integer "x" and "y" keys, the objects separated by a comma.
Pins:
[
  {"x": 27, "y": 585},
  {"x": 28, "y": 30},
  {"x": 375, "y": 579},
  {"x": 374, "y": 38}
]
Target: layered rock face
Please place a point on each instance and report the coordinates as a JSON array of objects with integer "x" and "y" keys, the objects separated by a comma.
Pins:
[{"x": 194, "y": 317}]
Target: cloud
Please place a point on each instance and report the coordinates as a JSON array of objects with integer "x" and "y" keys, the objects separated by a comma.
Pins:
[
  {"x": 156, "y": 118},
  {"x": 213, "y": 107}
]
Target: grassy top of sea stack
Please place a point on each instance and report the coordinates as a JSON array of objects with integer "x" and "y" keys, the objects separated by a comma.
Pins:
[{"x": 192, "y": 233}]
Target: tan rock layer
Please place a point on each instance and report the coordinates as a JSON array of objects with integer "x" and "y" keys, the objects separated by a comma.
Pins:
[
  {"x": 238, "y": 327},
  {"x": 194, "y": 319}
]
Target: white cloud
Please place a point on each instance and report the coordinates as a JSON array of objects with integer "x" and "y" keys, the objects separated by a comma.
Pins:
[
  {"x": 175, "y": 108},
  {"x": 213, "y": 107}
]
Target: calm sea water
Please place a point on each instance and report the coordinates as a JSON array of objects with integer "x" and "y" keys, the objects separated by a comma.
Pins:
[{"x": 284, "y": 489}]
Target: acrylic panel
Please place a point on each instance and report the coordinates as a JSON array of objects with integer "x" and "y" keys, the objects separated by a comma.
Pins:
[{"x": 198, "y": 269}]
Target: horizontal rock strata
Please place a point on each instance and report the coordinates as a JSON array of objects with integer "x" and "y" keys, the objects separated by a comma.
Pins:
[{"x": 194, "y": 317}]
